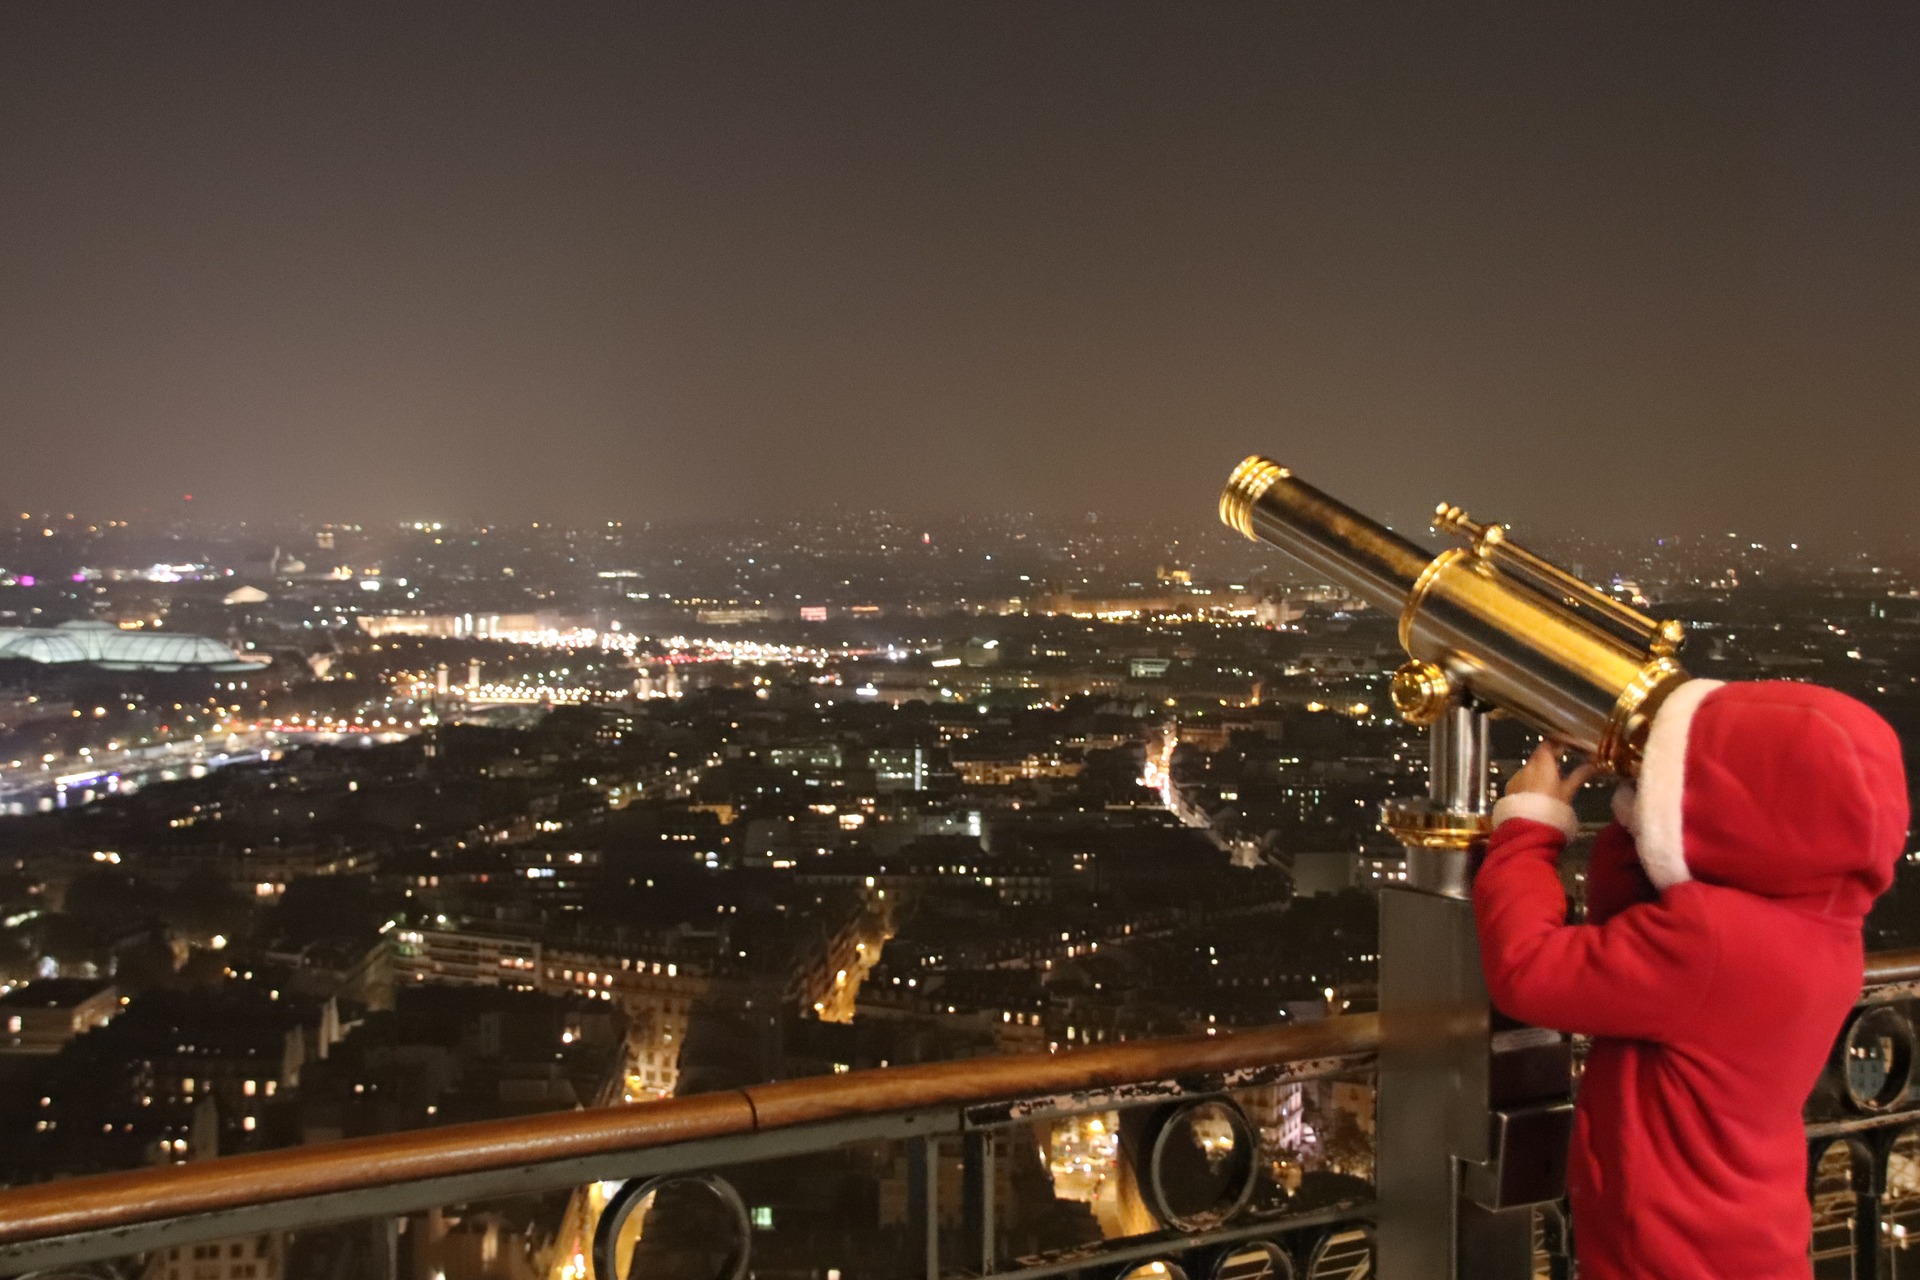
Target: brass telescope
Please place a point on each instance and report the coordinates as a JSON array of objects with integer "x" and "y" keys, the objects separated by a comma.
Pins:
[
  {"x": 1487, "y": 625},
  {"x": 1488, "y": 628}
]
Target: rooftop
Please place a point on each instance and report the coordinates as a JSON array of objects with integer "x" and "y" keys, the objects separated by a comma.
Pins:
[
  {"x": 54, "y": 993},
  {"x": 109, "y": 646}
]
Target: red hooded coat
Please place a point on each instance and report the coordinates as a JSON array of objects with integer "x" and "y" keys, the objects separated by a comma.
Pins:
[{"x": 1720, "y": 957}]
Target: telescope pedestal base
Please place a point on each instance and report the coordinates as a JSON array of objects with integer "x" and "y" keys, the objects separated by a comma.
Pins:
[
  {"x": 1440, "y": 871},
  {"x": 1437, "y": 1106}
]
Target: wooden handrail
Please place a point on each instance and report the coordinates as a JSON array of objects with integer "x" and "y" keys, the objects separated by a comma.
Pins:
[{"x": 107, "y": 1201}]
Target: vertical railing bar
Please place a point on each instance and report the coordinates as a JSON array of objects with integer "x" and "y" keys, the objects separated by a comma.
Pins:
[
  {"x": 923, "y": 1198},
  {"x": 1868, "y": 1206},
  {"x": 980, "y": 1182},
  {"x": 988, "y": 1185},
  {"x": 930, "y": 1157}
]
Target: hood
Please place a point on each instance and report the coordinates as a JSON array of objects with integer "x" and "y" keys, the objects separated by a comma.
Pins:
[{"x": 1785, "y": 790}]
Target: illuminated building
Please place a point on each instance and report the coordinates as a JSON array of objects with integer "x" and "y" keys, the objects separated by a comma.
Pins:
[
  {"x": 42, "y": 1017},
  {"x": 260, "y": 1257},
  {"x": 105, "y": 645}
]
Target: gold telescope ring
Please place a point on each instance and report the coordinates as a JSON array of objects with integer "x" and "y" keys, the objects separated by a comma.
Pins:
[{"x": 1246, "y": 486}]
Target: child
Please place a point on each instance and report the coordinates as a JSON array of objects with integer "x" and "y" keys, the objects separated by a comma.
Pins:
[{"x": 1721, "y": 954}]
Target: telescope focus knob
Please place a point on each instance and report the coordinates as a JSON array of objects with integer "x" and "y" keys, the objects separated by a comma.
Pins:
[
  {"x": 1421, "y": 692},
  {"x": 1449, "y": 517},
  {"x": 1668, "y": 636}
]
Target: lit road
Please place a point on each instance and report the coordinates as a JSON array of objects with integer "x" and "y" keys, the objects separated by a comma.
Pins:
[
  {"x": 1157, "y": 775},
  {"x": 77, "y": 780}
]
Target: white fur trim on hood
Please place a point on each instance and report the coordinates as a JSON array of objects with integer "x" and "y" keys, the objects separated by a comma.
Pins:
[
  {"x": 1659, "y": 797},
  {"x": 1537, "y": 806}
]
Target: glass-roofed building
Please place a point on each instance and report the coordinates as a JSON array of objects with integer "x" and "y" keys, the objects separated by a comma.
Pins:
[{"x": 105, "y": 645}]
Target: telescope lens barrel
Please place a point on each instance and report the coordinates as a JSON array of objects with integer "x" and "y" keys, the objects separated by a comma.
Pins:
[
  {"x": 1493, "y": 622},
  {"x": 1268, "y": 503}
]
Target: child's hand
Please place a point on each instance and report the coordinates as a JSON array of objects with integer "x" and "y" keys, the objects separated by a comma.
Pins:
[{"x": 1541, "y": 773}]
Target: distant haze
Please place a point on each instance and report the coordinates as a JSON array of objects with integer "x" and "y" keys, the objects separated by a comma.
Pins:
[{"x": 1579, "y": 265}]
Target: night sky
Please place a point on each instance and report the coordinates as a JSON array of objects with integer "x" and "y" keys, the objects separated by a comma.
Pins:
[{"x": 1577, "y": 265}]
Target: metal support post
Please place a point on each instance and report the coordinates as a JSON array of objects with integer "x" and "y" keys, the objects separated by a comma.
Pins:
[{"x": 1468, "y": 1117}]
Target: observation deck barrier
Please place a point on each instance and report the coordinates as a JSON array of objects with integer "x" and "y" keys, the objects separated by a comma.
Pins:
[{"x": 1164, "y": 1153}]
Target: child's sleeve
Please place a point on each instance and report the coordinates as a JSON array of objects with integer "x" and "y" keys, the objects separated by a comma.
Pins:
[
  {"x": 1615, "y": 878},
  {"x": 1639, "y": 976}
]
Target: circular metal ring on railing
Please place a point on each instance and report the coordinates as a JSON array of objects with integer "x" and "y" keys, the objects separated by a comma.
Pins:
[
  {"x": 1345, "y": 1253},
  {"x": 1252, "y": 1260},
  {"x": 1202, "y": 1164},
  {"x": 704, "y": 1196},
  {"x": 1153, "y": 1269},
  {"x": 1876, "y": 1059}
]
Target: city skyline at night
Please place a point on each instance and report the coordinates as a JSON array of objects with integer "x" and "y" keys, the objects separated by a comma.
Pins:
[{"x": 639, "y": 640}]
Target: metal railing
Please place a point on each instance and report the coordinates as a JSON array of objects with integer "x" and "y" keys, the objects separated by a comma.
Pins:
[
  {"x": 1165, "y": 1100},
  {"x": 1186, "y": 1081},
  {"x": 1863, "y": 1132}
]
